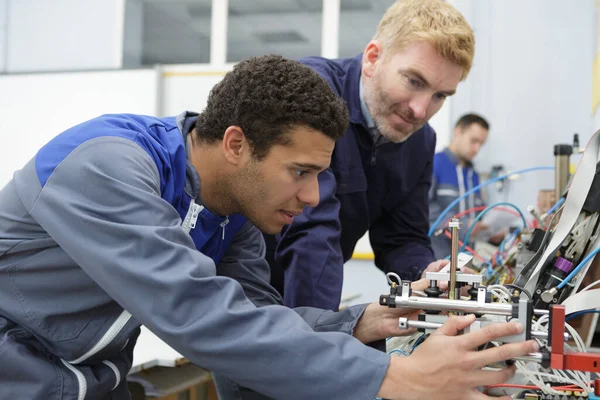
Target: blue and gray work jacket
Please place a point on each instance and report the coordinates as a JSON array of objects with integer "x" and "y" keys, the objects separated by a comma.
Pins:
[
  {"x": 104, "y": 230},
  {"x": 451, "y": 181}
]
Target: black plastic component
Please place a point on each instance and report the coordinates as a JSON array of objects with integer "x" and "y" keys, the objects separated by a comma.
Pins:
[
  {"x": 550, "y": 329},
  {"x": 592, "y": 201},
  {"x": 421, "y": 317},
  {"x": 548, "y": 280},
  {"x": 529, "y": 316},
  {"x": 473, "y": 293},
  {"x": 433, "y": 291},
  {"x": 515, "y": 314},
  {"x": 546, "y": 354},
  {"x": 387, "y": 300},
  {"x": 536, "y": 240},
  {"x": 563, "y": 150},
  {"x": 515, "y": 310}
]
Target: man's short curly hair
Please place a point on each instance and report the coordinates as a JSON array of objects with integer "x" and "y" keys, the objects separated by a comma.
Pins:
[{"x": 266, "y": 97}]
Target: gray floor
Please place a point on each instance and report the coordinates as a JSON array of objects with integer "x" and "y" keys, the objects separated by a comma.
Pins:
[{"x": 363, "y": 282}]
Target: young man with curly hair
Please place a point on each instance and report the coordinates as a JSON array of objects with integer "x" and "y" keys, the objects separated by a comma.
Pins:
[{"x": 126, "y": 220}]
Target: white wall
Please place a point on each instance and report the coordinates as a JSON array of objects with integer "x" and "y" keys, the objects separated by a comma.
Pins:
[
  {"x": 186, "y": 87},
  {"x": 531, "y": 78},
  {"x": 64, "y": 35},
  {"x": 35, "y": 108},
  {"x": 3, "y": 33}
]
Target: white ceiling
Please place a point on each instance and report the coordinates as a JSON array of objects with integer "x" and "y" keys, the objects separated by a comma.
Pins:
[{"x": 178, "y": 31}]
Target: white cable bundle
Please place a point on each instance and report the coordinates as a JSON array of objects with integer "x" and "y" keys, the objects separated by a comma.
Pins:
[{"x": 540, "y": 378}]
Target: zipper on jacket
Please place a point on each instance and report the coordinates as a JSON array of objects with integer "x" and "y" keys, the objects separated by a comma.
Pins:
[
  {"x": 196, "y": 208},
  {"x": 191, "y": 217},
  {"x": 223, "y": 226}
]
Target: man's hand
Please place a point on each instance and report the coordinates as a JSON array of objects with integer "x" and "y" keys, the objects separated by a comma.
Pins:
[
  {"x": 449, "y": 367},
  {"x": 380, "y": 322},
  {"x": 435, "y": 266}
]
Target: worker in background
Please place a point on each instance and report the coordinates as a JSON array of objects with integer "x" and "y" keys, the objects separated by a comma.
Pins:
[
  {"x": 127, "y": 219},
  {"x": 380, "y": 173},
  {"x": 453, "y": 176}
]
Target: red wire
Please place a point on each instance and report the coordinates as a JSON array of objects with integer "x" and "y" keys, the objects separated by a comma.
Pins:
[
  {"x": 470, "y": 250},
  {"x": 480, "y": 208},
  {"x": 572, "y": 388}
]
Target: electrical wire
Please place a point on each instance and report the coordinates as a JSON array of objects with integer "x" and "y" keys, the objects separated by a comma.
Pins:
[
  {"x": 555, "y": 206},
  {"x": 588, "y": 287},
  {"x": 488, "y": 208},
  {"x": 519, "y": 288},
  {"x": 475, "y": 209},
  {"x": 393, "y": 275},
  {"x": 478, "y": 187},
  {"x": 578, "y": 268},
  {"x": 524, "y": 276},
  {"x": 583, "y": 312},
  {"x": 467, "y": 248}
]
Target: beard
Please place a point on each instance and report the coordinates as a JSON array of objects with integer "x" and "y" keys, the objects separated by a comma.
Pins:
[
  {"x": 381, "y": 108},
  {"x": 250, "y": 196}
]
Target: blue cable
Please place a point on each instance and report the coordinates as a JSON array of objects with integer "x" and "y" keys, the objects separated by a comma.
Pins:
[
  {"x": 418, "y": 342},
  {"x": 398, "y": 351},
  {"x": 555, "y": 207},
  {"x": 504, "y": 241},
  {"x": 578, "y": 313},
  {"x": 481, "y": 214},
  {"x": 576, "y": 270},
  {"x": 481, "y": 185}
]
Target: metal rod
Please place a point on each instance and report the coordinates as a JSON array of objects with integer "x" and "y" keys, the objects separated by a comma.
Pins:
[
  {"x": 454, "y": 225},
  {"x": 405, "y": 323},
  {"x": 562, "y": 153},
  {"x": 467, "y": 306},
  {"x": 531, "y": 357},
  {"x": 544, "y": 335}
]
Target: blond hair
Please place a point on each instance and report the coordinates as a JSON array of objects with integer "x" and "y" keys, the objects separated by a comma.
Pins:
[{"x": 431, "y": 21}]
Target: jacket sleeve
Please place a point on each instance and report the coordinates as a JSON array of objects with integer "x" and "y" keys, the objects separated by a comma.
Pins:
[
  {"x": 309, "y": 252},
  {"x": 103, "y": 207},
  {"x": 400, "y": 241},
  {"x": 244, "y": 261}
]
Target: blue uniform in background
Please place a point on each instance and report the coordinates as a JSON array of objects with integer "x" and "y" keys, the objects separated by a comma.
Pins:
[
  {"x": 372, "y": 185},
  {"x": 451, "y": 180}
]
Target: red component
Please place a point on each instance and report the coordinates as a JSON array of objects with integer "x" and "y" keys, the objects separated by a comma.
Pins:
[
  {"x": 557, "y": 341},
  {"x": 589, "y": 362},
  {"x": 597, "y": 387}
]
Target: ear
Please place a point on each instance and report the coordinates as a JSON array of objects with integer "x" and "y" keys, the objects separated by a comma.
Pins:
[
  {"x": 236, "y": 148},
  {"x": 372, "y": 54}
]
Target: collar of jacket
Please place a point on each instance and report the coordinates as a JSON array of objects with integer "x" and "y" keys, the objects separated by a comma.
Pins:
[
  {"x": 454, "y": 158},
  {"x": 351, "y": 92}
]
